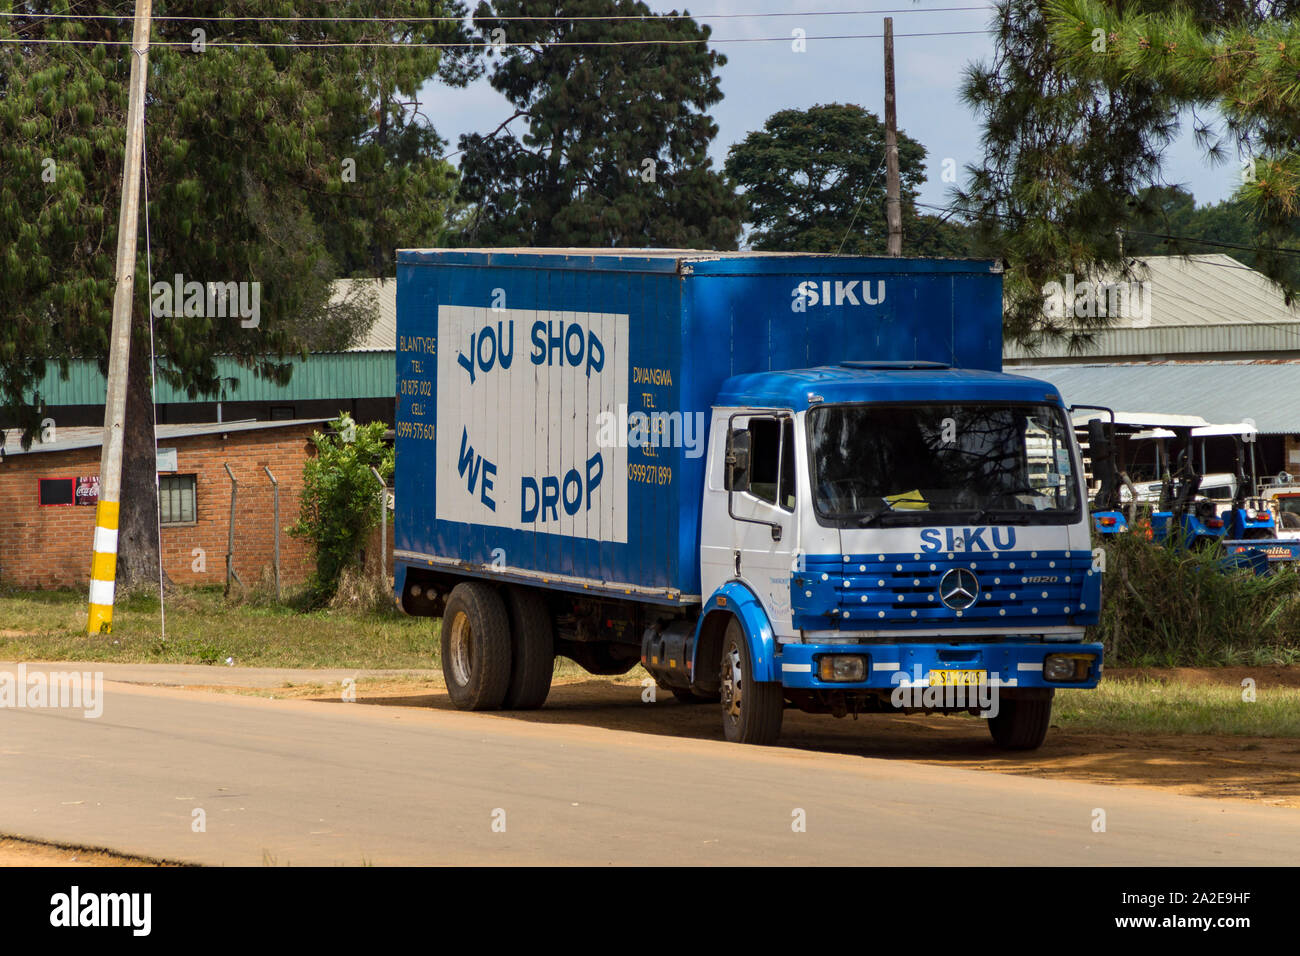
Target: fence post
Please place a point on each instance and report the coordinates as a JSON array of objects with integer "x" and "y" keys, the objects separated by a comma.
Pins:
[
  {"x": 275, "y": 489},
  {"x": 383, "y": 525},
  {"x": 230, "y": 535}
]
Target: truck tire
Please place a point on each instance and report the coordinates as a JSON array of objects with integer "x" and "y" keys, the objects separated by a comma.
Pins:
[
  {"x": 751, "y": 710},
  {"x": 1021, "y": 723},
  {"x": 476, "y": 647},
  {"x": 532, "y": 650}
]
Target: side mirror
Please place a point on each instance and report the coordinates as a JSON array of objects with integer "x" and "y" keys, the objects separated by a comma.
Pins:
[
  {"x": 1101, "y": 449},
  {"x": 1101, "y": 443},
  {"x": 736, "y": 472}
]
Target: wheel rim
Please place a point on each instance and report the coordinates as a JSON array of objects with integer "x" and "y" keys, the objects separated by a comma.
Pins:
[
  {"x": 732, "y": 682},
  {"x": 460, "y": 650}
]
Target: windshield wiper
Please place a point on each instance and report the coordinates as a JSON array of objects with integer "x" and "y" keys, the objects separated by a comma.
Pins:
[
  {"x": 1003, "y": 516},
  {"x": 870, "y": 517}
]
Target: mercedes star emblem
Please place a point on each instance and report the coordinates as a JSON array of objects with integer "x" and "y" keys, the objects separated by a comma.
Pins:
[{"x": 959, "y": 589}]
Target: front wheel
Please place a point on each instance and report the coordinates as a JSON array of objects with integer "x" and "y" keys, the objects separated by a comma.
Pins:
[
  {"x": 751, "y": 709},
  {"x": 1021, "y": 723}
]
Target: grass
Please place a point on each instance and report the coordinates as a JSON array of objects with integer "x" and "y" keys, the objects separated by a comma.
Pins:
[
  {"x": 1138, "y": 706},
  {"x": 204, "y": 628}
]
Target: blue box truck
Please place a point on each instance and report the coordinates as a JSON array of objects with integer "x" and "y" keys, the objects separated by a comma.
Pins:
[{"x": 771, "y": 480}]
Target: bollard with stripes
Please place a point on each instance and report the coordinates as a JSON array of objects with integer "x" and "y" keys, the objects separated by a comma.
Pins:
[{"x": 103, "y": 568}]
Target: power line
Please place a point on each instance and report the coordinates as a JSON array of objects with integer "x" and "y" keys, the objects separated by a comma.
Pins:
[
  {"x": 527, "y": 18},
  {"x": 1240, "y": 247},
  {"x": 332, "y": 44}
]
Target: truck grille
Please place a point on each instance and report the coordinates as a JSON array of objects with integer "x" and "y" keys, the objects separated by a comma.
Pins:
[{"x": 1016, "y": 589}]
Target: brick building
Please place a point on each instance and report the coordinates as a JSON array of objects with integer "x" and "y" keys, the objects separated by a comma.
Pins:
[{"x": 47, "y": 495}]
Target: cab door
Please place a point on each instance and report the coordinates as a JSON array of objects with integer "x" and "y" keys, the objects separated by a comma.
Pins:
[{"x": 762, "y": 500}]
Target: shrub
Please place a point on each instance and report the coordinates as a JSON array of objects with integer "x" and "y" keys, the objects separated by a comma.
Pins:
[
  {"x": 339, "y": 501},
  {"x": 1167, "y": 607}
]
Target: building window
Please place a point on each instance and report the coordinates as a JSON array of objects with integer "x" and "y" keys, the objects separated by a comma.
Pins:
[
  {"x": 281, "y": 413},
  {"x": 56, "y": 491},
  {"x": 176, "y": 499}
]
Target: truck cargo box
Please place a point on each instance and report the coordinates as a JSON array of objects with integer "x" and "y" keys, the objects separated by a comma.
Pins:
[{"x": 552, "y": 404}]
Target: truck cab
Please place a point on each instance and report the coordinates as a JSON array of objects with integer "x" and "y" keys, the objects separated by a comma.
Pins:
[{"x": 887, "y": 526}]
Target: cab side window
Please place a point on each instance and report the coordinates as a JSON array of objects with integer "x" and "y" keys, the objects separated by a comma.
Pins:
[{"x": 771, "y": 470}]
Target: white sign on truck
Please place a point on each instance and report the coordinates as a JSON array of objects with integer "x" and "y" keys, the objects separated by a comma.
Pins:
[{"x": 520, "y": 423}]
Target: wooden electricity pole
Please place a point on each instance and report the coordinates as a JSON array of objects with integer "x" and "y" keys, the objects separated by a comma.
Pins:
[
  {"x": 103, "y": 567},
  {"x": 893, "y": 201}
]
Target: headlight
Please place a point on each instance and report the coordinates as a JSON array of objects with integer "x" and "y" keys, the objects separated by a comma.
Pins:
[
  {"x": 1067, "y": 668},
  {"x": 845, "y": 668}
]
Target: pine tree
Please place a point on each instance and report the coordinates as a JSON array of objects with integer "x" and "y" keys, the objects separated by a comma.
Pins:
[
  {"x": 1063, "y": 159},
  {"x": 1244, "y": 59},
  {"x": 1077, "y": 106}
]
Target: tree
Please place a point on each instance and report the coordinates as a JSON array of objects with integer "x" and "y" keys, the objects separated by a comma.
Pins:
[
  {"x": 615, "y": 149},
  {"x": 1078, "y": 105},
  {"x": 1240, "y": 57},
  {"x": 814, "y": 181},
  {"x": 1175, "y": 225},
  {"x": 273, "y": 166},
  {"x": 1064, "y": 159}
]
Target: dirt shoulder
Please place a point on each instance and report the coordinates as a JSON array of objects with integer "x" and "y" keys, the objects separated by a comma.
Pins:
[
  {"x": 18, "y": 852},
  {"x": 1259, "y": 769}
]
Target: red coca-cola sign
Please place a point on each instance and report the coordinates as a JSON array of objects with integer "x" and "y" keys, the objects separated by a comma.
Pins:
[{"x": 87, "y": 490}]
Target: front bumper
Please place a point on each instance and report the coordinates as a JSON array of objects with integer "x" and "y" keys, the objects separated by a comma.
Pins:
[{"x": 891, "y": 665}]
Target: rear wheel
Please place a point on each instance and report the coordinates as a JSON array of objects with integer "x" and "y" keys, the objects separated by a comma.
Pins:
[
  {"x": 1021, "y": 723},
  {"x": 751, "y": 709},
  {"x": 532, "y": 646},
  {"x": 476, "y": 647}
]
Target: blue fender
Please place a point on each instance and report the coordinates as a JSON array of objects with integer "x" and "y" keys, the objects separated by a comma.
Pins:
[{"x": 739, "y": 601}]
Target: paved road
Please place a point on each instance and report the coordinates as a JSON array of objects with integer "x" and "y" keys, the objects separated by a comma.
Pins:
[
  {"x": 305, "y": 782},
  {"x": 210, "y": 675}
]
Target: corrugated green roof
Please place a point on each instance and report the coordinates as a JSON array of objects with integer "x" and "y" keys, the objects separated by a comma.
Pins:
[
  {"x": 1261, "y": 391},
  {"x": 322, "y": 375}
]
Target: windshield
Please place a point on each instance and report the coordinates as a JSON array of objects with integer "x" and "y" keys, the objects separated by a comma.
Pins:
[{"x": 936, "y": 463}]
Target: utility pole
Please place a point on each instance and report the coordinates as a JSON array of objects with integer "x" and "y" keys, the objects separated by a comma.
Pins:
[
  {"x": 893, "y": 201},
  {"x": 103, "y": 565}
]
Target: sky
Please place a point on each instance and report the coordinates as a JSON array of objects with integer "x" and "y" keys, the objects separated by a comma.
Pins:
[{"x": 763, "y": 77}]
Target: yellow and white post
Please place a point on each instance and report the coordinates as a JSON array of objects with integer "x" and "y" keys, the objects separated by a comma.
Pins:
[{"x": 103, "y": 566}]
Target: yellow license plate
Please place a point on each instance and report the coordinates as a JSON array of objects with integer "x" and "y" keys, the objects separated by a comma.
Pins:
[{"x": 956, "y": 678}]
